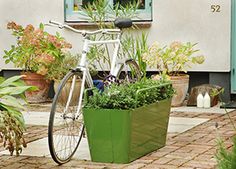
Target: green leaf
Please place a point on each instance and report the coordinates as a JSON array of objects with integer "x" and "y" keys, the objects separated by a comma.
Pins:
[
  {"x": 17, "y": 90},
  {"x": 12, "y": 102},
  {"x": 18, "y": 83},
  {"x": 1, "y": 79},
  {"x": 16, "y": 114},
  {"x": 9, "y": 81},
  {"x": 58, "y": 35},
  {"x": 41, "y": 26},
  {"x": 7, "y": 61}
]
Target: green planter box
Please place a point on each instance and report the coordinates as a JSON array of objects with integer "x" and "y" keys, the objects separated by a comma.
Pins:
[{"x": 121, "y": 136}]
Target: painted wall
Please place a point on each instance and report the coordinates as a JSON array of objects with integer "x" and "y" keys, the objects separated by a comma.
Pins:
[{"x": 181, "y": 20}]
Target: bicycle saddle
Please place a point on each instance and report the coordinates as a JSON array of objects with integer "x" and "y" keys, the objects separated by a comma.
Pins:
[{"x": 123, "y": 23}]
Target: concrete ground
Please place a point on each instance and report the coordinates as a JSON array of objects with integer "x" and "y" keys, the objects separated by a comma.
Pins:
[{"x": 191, "y": 143}]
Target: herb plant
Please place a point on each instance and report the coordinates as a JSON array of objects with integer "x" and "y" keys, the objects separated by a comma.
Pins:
[{"x": 123, "y": 96}]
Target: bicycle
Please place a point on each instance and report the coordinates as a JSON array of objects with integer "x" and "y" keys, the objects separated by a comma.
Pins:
[{"x": 64, "y": 137}]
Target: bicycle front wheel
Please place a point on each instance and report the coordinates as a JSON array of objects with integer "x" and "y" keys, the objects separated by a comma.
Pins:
[
  {"x": 65, "y": 128},
  {"x": 129, "y": 72}
]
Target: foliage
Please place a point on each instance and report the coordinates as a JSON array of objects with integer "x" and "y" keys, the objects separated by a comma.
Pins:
[
  {"x": 124, "y": 96},
  {"x": 226, "y": 159},
  {"x": 11, "y": 120},
  {"x": 61, "y": 67},
  {"x": 131, "y": 47},
  {"x": 106, "y": 12},
  {"x": 173, "y": 59},
  {"x": 36, "y": 50},
  {"x": 135, "y": 48}
]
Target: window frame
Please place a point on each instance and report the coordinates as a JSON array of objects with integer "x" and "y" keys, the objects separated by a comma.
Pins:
[{"x": 71, "y": 16}]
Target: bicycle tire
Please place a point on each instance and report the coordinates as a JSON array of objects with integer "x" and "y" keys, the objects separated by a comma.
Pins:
[
  {"x": 129, "y": 71},
  {"x": 64, "y": 138}
]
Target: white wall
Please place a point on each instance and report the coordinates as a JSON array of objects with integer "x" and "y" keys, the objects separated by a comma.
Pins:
[
  {"x": 192, "y": 20},
  {"x": 27, "y": 12},
  {"x": 182, "y": 20}
]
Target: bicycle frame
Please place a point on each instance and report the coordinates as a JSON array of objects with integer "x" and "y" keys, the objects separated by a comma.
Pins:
[{"x": 83, "y": 66}]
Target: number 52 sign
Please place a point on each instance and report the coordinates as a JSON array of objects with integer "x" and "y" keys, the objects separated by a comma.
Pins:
[{"x": 215, "y": 8}]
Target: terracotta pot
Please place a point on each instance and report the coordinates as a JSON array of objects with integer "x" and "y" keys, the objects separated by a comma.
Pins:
[
  {"x": 65, "y": 92},
  {"x": 34, "y": 79},
  {"x": 180, "y": 84}
]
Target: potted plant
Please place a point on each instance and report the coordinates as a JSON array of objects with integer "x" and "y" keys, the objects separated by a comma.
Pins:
[
  {"x": 12, "y": 124},
  {"x": 35, "y": 52},
  {"x": 225, "y": 155},
  {"x": 58, "y": 70},
  {"x": 99, "y": 55},
  {"x": 127, "y": 121},
  {"x": 172, "y": 62}
]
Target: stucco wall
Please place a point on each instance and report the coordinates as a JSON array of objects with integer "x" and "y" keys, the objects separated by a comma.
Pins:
[{"x": 183, "y": 20}]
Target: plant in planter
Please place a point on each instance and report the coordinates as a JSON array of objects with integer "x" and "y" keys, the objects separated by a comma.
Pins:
[
  {"x": 12, "y": 123},
  {"x": 35, "y": 52},
  {"x": 57, "y": 72},
  {"x": 135, "y": 47},
  {"x": 172, "y": 62},
  {"x": 61, "y": 67},
  {"x": 127, "y": 121},
  {"x": 130, "y": 47}
]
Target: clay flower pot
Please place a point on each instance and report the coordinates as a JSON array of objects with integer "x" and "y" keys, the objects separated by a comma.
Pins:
[
  {"x": 34, "y": 79},
  {"x": 66, "y": 90},
  {"x": 180, "y": 84}
]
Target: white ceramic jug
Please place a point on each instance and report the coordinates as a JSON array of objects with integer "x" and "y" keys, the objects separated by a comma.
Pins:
[
  {"x": 207, "y": 101},
  {"x": 200, "y": 101}
]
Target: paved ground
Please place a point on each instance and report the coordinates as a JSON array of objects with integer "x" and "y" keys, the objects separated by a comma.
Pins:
[{"x": 191, "y": 149}]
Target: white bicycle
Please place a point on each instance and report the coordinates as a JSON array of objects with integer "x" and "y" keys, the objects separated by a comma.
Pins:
[{"x": 66, "y": 126}]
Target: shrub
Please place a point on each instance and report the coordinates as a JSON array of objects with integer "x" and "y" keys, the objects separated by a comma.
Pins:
[
  {"x": 35, "y": 50},
  {"x": 124, "y": 96}
]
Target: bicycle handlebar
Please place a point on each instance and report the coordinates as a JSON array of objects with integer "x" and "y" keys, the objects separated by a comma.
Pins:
[{"x": 83, "y": 32}]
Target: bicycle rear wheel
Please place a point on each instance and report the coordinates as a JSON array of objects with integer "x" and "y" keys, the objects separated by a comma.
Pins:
[
  {"x": 129, "y": 72},
  {"x": 65, "y": 129}
]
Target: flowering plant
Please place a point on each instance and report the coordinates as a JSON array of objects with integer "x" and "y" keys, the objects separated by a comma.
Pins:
[
  {"x": 62, "y": 67},
  {"x": 36, "y": 50},
  {"x": 173, "y": 59}
]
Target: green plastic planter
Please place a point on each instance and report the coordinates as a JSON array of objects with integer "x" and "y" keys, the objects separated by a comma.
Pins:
[{"x": 121, "y": 136}]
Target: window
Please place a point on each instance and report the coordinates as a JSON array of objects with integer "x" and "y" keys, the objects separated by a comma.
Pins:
[{"x": 74, "y": 9}]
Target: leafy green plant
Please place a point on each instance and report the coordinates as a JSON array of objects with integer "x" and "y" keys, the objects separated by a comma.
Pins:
[
  {"x": 124, "y": 96},
  {"x": 61, "y": 67},
  {"x": 100, "y": 11},
  {"x": 173, "y": 59},
  {"x": 135, "y": 48},
  {"x": 226, "y": 159},
  {"x": 35, "y": 50},
  {"x": 131, "y": 47},
  {"x": 12, "y": 123}
]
